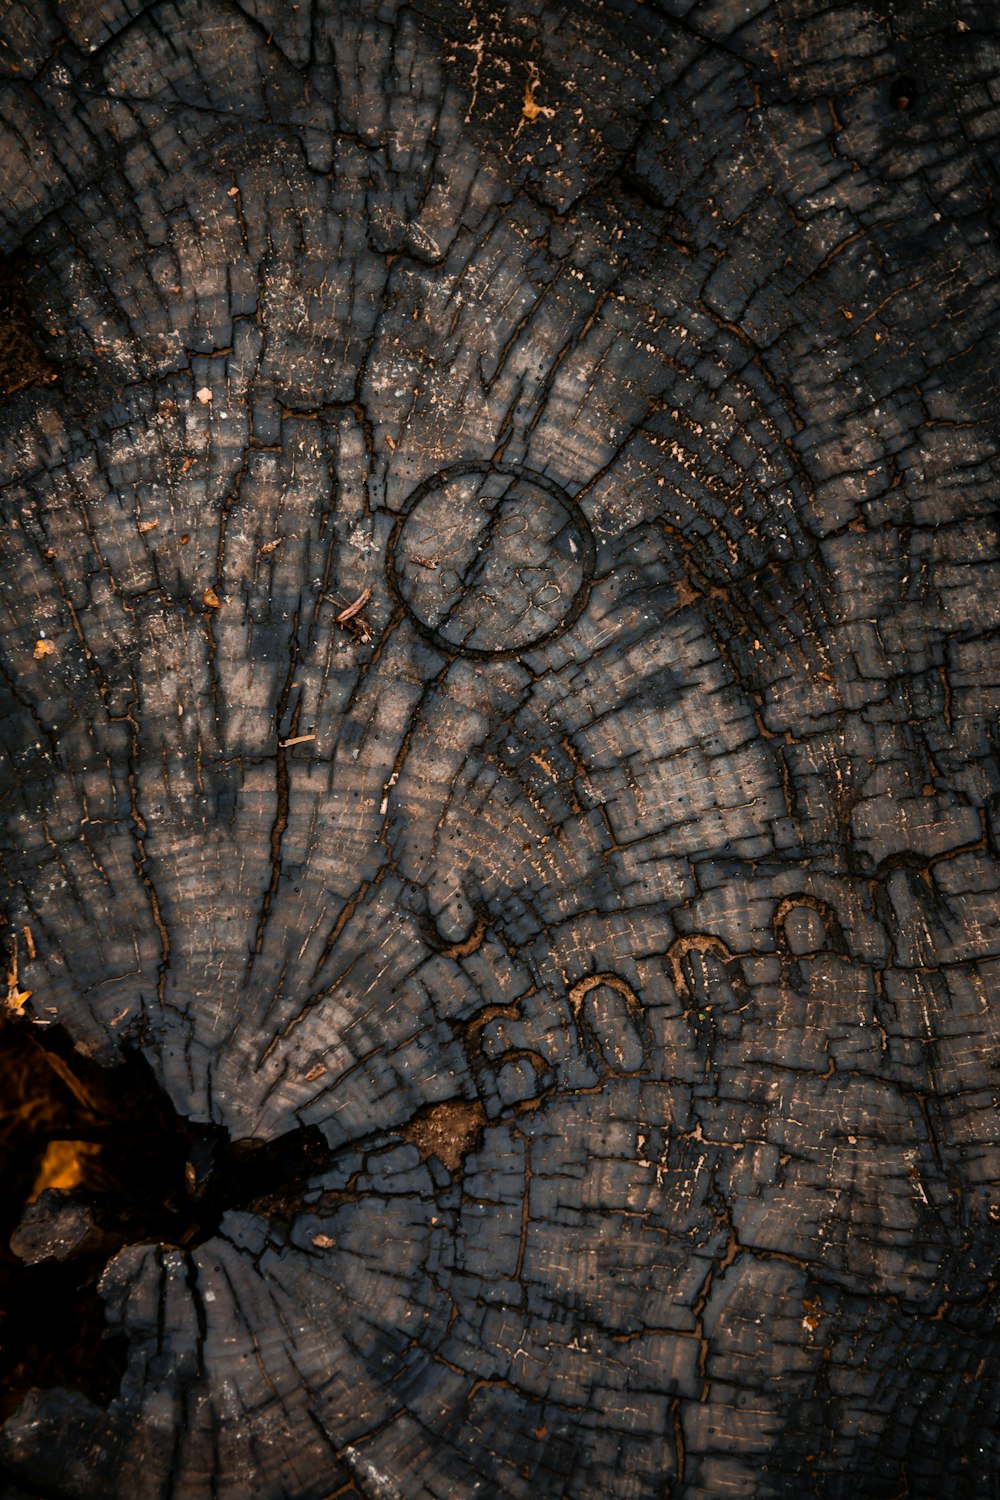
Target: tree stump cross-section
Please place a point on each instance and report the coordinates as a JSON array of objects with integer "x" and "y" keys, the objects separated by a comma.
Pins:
[{"x": 499, "y": 750}]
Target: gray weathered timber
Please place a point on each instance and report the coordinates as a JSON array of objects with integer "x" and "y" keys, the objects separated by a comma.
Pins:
[{"x": 499, "y": 667}]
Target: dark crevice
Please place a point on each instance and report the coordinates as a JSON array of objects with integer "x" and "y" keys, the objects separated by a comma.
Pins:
[
  {"x": 21, "y": 363},
  {"x": 92, "y": 1159},
  {"x": 903, "y": 93},
  {"x": 54, "y": 1332}
]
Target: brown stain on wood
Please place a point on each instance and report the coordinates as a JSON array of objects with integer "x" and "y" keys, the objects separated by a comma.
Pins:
[{"x": 446, "y": 1131}]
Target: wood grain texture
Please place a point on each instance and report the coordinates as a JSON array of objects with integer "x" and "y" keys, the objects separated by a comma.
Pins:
[{"x": 615, "y": 888}]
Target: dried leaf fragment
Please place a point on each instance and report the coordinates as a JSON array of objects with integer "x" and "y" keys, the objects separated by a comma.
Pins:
[
  {"x": 813, "y": 1308},
  {"x": 211, "y": 600},
  {"x": 267, "y": 547},
  {"x": 16, "y": 999},
  {"x": 145, "y": 526},
  {"x": 43, "y": 648},
  {"x": 529, "y": 109},
  {"x": 204, "y": 395},
  {"x": 323, "y": 1241}
]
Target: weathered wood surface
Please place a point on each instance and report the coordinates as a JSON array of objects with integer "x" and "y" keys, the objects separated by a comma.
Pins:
[{"x": 616, "y": 887}]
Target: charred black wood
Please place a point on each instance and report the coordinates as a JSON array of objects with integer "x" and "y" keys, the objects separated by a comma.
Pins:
[{"x": 498, "y": 701}]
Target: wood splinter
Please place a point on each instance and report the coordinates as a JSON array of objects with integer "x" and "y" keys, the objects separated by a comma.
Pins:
[
  {"x": 350, "y": 618},
  {"x": 355, "y": 608}
]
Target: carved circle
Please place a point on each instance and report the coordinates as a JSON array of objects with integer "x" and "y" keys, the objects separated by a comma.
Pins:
[{"x": 491, "y": 559}]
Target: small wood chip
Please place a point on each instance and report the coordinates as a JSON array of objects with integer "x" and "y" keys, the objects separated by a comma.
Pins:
[
  {"x": 270, "y": 546},
  {"x": 323, "y": 1241},
  {"x": 355, "y": 608},
  {"x": 204, "y": 395},
  {"x": 145, "y": 526},
  {"x": 298, "y": 739}
]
